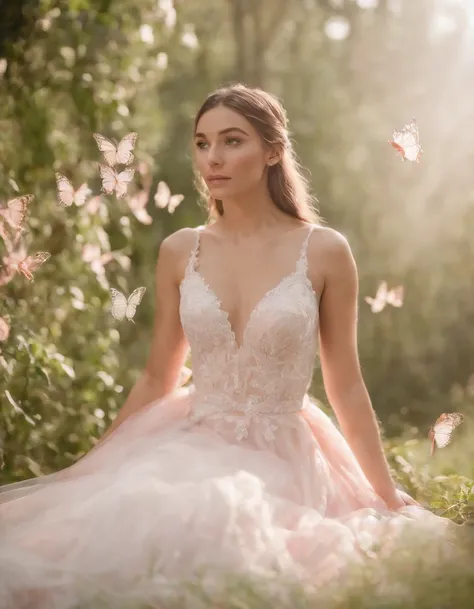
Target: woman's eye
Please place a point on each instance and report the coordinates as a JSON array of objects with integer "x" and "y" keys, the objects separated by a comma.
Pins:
[{"x": 230, "y": 140}]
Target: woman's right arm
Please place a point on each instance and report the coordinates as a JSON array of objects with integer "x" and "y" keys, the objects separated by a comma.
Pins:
[{"x": 169, "y": 347}]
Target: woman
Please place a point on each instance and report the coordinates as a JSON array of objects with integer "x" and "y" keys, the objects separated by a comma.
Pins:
[{"x": 241, "y": 472}]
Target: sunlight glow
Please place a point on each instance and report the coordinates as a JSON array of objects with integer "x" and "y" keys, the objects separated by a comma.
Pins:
[
  {"x": 337, "y": 28},
  {"x": 369, "y": 4}
]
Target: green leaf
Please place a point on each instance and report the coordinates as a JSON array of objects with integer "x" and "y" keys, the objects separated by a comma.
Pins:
[{"x": 18, "y": 408}]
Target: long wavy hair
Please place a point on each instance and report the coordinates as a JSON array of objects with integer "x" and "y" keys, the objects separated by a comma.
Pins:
[{"x": 287, "y": 185}]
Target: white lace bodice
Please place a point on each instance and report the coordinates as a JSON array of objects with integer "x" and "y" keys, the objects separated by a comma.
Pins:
[{"x": 270, "y": 372}]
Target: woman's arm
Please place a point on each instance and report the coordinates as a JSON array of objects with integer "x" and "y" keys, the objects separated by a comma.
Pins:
[
  {"x": 342, "y": 375},
  {"x": 169, "y": 346}
]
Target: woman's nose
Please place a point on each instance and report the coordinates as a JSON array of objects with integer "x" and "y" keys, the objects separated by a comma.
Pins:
[{"x": 214, "y": 156}]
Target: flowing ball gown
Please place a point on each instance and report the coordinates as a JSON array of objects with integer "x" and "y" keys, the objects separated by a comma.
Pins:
[{"x": 240, "y": 472}]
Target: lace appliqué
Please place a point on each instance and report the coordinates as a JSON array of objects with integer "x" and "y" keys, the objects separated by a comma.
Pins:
[
  {"x": 264, "y": 380},
  {"x": 271, "y": 416}
]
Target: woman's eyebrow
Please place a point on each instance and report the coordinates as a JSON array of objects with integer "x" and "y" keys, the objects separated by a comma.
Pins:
[{"x": 228, "y": 130}]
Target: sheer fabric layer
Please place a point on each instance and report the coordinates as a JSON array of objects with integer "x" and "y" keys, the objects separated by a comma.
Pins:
[{"x": 241, "y": 472}]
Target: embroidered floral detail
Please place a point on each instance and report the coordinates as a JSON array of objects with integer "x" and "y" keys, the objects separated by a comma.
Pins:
[{"x": 265, "y": 379}]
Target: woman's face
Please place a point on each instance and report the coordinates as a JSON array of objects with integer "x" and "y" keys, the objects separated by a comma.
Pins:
[{"x": 229, "y": 153}]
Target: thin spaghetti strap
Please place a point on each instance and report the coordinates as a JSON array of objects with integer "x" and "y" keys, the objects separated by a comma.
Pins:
[
  {"x": 303, "y": 259},
  {"x": 191, "y": 266}
]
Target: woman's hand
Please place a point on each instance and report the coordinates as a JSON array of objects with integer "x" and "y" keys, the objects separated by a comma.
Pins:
[{"x": 400, "y": 499}]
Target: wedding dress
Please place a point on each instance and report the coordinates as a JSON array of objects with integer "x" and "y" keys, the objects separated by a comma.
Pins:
[{"x": 240, "y": 472}]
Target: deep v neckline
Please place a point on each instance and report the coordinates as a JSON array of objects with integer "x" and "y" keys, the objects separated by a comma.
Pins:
[
  {"x": 218, "y": 303},
  {"x": 239, "y": 347}
]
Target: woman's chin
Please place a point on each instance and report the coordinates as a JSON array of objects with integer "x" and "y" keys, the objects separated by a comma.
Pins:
[{"x": 218, "y": 188}]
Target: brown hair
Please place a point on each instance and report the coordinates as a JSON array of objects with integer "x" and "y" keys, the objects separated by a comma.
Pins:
[{"x": 287, "y": 185}]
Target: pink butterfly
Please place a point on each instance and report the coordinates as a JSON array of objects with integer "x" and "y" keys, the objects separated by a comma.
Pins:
[
  {"x": 440, "y": 433},
  {"x": 93, "y": 255},
  {"x": 14, "y": 214},
  {"x": 4, "y": 329},
  {"x": 137, "y": 204},
  {"x": 407, "y": 142},
  {"x": 26, "y": 265},
  {"x": 384, "y": 296},
  {"x": 120, "y": 154},
  {"x": 115, "y": 182},
  {"x": 164, "y": 199},
  {"x": 143, "y": 169},
  {"x": 95, "y": 205},
  {"x": 66, "y": 193},
  {"x": 32, "y": 263}
]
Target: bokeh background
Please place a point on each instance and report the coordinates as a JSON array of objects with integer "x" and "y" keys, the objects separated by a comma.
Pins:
[{"x": 348, "y": 73}]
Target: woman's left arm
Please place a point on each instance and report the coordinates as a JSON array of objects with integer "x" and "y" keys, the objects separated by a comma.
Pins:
[{"x": 342, "y": 376}]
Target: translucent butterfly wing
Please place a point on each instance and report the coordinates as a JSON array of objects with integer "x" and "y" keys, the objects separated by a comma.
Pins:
[
  {"x": 122, "y": 307},
  {"x": 122, "y": 181},
  {"x": 395, "y": 296},
  {"x": 407, "y": 142},
  {"x": 133, "y": 302},
  {"x": 81, "y": 194},
  {"x": 107, "y": 148},
  {"x": 382, "y": 291},
  {"x": 121, "y": 154},
  {"x": 162, "y": 195},
  {"x": 164, "y": 199},
  {"x": 119, "y": 304},
  {"x": 174, "y": 201},
  {"x": 94, "y": 205},
  {"x": 32, "y": 263},
  {"x": 441, "y": 432},
  {"x": 377, "y": 304},
  {"x": 65, "y": 190},
  {"x": 109, "y": 179},
  {"x": 125, "y": 149},
  {"x": 115, "y": 182},
  {"x": 137, "y": 204},
  {"x": 15, "y": 211}
]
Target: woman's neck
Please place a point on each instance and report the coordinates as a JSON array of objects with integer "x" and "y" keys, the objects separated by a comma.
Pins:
[{"x": 253, "y": 219}]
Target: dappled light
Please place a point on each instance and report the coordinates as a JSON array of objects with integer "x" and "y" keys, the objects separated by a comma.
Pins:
[{"x": 97, "y": 101}]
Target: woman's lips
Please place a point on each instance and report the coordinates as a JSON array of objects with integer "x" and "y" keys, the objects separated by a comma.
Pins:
[{"x": 217, "y": 180}]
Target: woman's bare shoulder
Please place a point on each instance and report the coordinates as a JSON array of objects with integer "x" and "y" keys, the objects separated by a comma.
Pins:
[
  {"x": 329, "y": 253},
  {"x": 175, "y": 250},
  {"x": 327, "y": 240},
  {"x": 181, "y": 240}
]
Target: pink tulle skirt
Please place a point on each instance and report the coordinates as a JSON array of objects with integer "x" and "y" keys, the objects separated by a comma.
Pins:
[{"x": 167, "y": 496}]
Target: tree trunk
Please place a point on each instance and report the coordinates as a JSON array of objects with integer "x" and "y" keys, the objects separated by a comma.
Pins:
[
  {"x": 257, "y": 61},
  {"x": 238, "y": 27}
]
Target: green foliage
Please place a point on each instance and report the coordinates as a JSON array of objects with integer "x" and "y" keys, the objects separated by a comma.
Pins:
[
  {"x": 72, "y": 68},
  {"x": 66, "y": 365}
]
